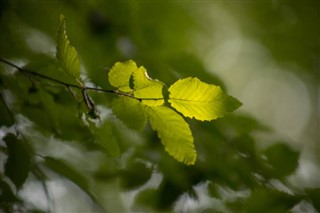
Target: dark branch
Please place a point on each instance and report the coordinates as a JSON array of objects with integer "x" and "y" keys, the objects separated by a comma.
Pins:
[{"x": 68, "y": 85}]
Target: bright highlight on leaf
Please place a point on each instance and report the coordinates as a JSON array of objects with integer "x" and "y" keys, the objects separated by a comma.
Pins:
[
  {"x": 67, "y": 54},
  {"x": 199, "y": 100},
  {"x": 147, "y": 88},
  {"x": 191, "y": 97},
  {"x": 174, "y": 133},
  {"x": 129, "y": 78},
  {"x": 120, "y": 74}
]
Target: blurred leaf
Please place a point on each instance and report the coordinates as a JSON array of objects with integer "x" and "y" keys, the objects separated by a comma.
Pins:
[
  {"x": 213, "y": 190},
  {"x": 67, "y": 54},
  {"x": 146, "y": 200},
  {"x": 6, "y": 195},
  {"x": 120, "y": 74},
  {"x": 314, "y": 196},
  {"x": 282, "y": 158},
  {"x": 18, "y": 163},
  {"x": 7, "y": 198},
  {"x": 174, "y": 133},
  {"x": 63, "y": 169},
  {"x": 269, "y": 200},
  {"x": 135, "y": 175},
  {"x": 169, "y": 192},
  {"x": 6, "y": 119},
  {"x": 199, "y": 100},
  {"x": 145, "y": 87},
  {"x": 245, "y": 144},
  {"x": 130, "y": 111},
  {"x": 106, "y": 139},
  {"x": 242, "y": 124}
]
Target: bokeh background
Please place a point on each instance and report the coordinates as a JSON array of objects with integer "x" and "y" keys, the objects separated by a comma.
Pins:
[{"x": 265, "y": 53}]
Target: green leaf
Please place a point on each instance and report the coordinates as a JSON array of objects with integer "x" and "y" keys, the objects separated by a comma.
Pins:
[
  {"x": 63, "y": 169},
  {"x": 135, "y": 175},
  {"x": 199, "y": 100},
  {"x": 67, "y": 54},
  {"x": 106, "y": 139},
  {"x": 130, "y": 111},
  {"x": 314, "y": 196},
  {"x": 6, "y": 119},
  {"x": 8, "y": 199},
  {"x": 269, "y": 200},
  {"x": 282, "y": 158},
  {"x": 147, "y": 88},
  {"x": 128, "y": 78},
  {"x": 146, "y": 201},
  {"x": 174, "y": 133},
  {"x": 18, "y": 164},
  {"x": 120, "y": 74}
]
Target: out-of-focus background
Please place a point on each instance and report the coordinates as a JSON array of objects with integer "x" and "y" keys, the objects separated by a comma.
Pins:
[{"x": 265, "y": 53}]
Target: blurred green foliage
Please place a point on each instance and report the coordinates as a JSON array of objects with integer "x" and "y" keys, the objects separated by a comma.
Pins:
[{"x": 51, "y": 133}]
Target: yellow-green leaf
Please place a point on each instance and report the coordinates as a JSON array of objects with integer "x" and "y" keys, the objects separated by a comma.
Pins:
[
  {"x": 174, "y": 132},
  {"x": 199, "y": 100},
  {"x": 120, "y": 74},
  {"x": 147, "y": 88},
  {"x": 130, "y": 111},
  {"x": 67, "y": 54}
]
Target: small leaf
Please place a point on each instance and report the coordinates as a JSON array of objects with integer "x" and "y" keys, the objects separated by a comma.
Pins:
[
  {"x": 120, "y": 74},
  {"x": 130, "y": 111},
  {"x": 147, "y": 88},
  {"x": 174, "y": 133},
  {"x": 199, "y": 100},
  {"x": 135, "y": 175},
  {"x": 67, "y": 54},
  {"x": 269, "y": 200},
  {"x": 6, "y": 119},
  {"x": 18, "y": 163},
  {"x": 282, "y": 158},
  {"x": 106, "y": 139}
]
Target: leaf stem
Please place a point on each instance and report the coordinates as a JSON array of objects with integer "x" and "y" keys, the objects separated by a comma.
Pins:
[{"x": 68, "y": 85}]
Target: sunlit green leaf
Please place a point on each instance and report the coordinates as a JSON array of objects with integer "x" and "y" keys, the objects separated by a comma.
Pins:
[
  {"x": 174, "y": 133},
  {"x": 18, "y": 164},
  {"x": 67, "y": 54},
  {"x": 147, "y": 88},
  {"x": 199, "y": 100},
  {"x": 120, "y": 74},
  {"x": 130, "y": 111}
]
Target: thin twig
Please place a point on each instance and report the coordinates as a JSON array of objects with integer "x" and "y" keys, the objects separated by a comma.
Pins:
[
  {"x": 39, "y": 75},
  {"x": 68, "y": 85}
]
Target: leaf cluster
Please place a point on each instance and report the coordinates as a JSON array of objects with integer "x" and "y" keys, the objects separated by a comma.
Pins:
[{"x": 224, "y": 159}]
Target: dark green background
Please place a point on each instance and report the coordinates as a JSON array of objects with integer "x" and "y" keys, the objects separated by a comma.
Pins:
[{"x": 244, "y": 164}]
